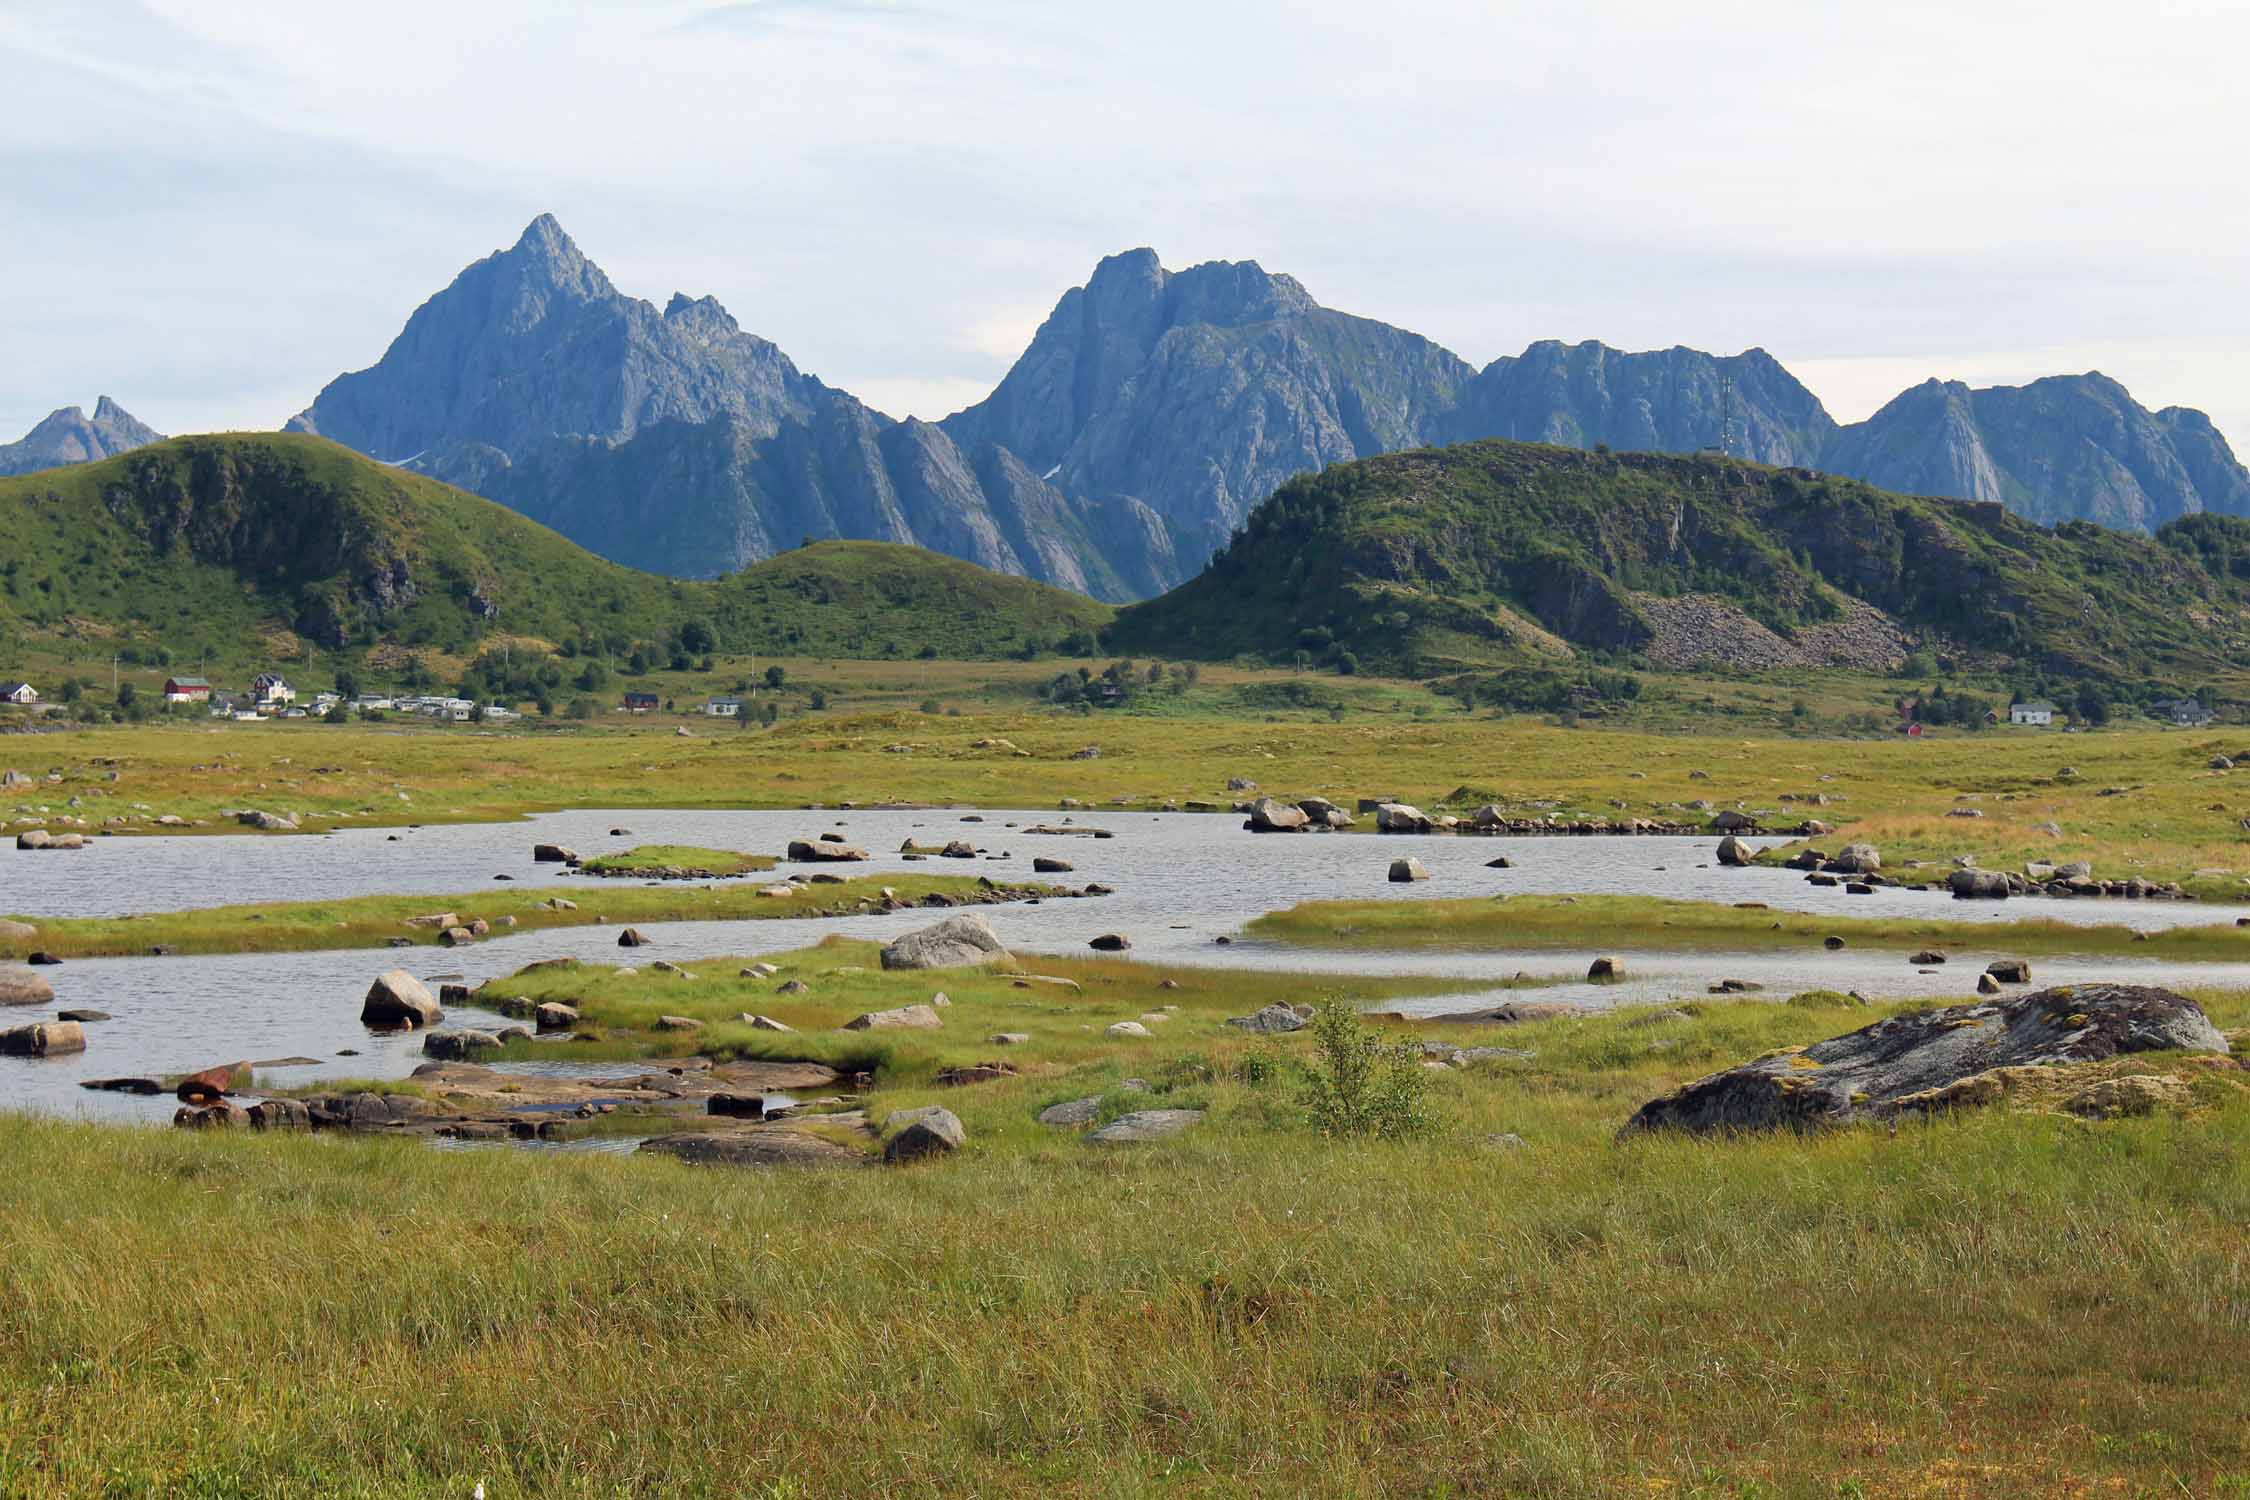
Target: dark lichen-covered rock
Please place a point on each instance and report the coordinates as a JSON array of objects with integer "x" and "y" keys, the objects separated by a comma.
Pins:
[{"x": 1900, "y": 1064}]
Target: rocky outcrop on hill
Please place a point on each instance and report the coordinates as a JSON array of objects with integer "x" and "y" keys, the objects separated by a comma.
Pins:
[
  {"x": 69, "y": 436},
  {"x": 1700, "y": 629}
]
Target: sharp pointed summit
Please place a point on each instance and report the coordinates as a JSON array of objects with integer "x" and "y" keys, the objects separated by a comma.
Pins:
[{"x": 67, "y": 436}]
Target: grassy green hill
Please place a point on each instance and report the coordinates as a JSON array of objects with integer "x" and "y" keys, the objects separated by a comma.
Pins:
[
  {"x": 211, "y": 547},
  {"x": 869, "y": 599},
  {"x": 1497, "y": 554}
]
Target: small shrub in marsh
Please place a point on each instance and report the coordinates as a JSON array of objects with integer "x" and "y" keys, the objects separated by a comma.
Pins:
[{"x": 1360, "y": 1085}]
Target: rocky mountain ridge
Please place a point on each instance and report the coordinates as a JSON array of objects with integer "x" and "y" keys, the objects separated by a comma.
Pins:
[
  {"x": 1152, "y": 410},
  {"x": 69, "y": 436}
]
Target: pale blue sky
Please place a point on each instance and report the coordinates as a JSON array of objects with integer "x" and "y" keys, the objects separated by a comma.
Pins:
[{"x": 216, "y": 205}]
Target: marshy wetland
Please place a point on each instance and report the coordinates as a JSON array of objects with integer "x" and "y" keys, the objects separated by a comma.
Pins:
[{"x": 1150, "y": 1250}]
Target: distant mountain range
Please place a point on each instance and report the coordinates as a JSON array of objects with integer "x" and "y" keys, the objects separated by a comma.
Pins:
[
  {"x": 68, "y": 437},
  {"x": 1151, "y": 412}
]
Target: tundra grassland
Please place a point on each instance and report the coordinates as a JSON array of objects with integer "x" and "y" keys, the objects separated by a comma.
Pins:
[
  {"x": 1989, "y": 1304},
  {"x": 2132, "y": 802}
]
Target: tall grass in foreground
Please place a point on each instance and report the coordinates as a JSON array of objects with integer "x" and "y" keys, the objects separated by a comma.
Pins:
[{"x": 1995, "y": 1305}]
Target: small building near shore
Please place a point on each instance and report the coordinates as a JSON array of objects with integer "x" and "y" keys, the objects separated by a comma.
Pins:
[
  {"x": 2036, "y": 712},
  {"x": 22, "y": 694},
  {"x": 186, "y": 690},
  {"x": 642, "y": 703},
  {"x": 2187, "y": 712}
]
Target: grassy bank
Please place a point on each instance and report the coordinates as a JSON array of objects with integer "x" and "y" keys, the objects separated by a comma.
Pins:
[
  {"x": 372, "y": 921},
  {"x": 2000, "y": 1305},
  {"x": 1595, "y": 923},
  {"x": 661, "y": 859}
]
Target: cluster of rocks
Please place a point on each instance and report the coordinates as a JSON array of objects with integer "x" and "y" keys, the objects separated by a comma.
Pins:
[
  {"x": 2074, "y": 879},
  {"x": 1132, "y": 1128},
  {"x": 1320, "y": 815}
]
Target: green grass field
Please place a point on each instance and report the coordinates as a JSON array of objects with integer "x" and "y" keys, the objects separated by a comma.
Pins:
[
  {"x": 1990, "y": 1305},
  {"x": 371, "y": 921}
]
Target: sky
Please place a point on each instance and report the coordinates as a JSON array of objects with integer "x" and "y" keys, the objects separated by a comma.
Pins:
[{"x": 215, "y": 206}]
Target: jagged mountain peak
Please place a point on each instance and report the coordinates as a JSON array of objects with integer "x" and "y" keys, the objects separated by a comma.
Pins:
[
  {"x": 67, "y": 436},
  {"x": 1225, "y": 293},
  {"x": 703, "y": 316}
]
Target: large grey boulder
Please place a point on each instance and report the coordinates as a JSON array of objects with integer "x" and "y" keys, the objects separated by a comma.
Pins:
[
  {"x": 1978, "y": 885},
  {"x": 1145, "y": 1125},
  {"x": 819, "y": 851},
  {"x": 399, "y": 999},
  {"x": 458, "y": 1046},
  {"x": 43, "y": 1039},
  {"x": 933, "y": 1131},
  {"x": 1735, "y": 853},
  {"x": 1729, "y": 820},
  {"x": 903, "y": 1018},
  {"x": 1267, "y": 815},
  {"x": 1402, "y": 817},
  {"x": 19, "y": 986},
  {"x": 1272, "y": 1020},
  {"x": 955, "y": 943},
  {"x": 1900, "y": 1065},
  {"x": 1407, "y": 871},
  {"x": 1857, "y": 859}
]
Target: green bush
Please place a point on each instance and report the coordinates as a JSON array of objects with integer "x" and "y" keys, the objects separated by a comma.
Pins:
[{"x": 1360, "y": 1085}]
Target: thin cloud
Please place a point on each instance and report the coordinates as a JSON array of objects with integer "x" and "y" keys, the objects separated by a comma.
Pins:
[{"x": 764, "y": 15}]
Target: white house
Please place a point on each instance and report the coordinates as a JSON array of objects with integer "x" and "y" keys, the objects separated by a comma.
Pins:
[
  {"x": 723, "y": 708},
  {"x": 2034, "y": 712},
  {"x": 18, "y": 692},
  {"x": 270, "y": 689}
]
